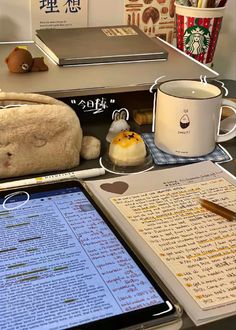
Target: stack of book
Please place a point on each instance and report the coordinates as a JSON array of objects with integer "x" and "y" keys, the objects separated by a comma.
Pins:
[{"x": 92, "y": 45}]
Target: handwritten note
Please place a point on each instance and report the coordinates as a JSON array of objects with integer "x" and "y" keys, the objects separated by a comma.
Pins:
[{"x": 197, "y": 246}]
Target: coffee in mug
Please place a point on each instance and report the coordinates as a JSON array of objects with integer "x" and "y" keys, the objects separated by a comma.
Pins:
[{"x": 187, "y": 120}]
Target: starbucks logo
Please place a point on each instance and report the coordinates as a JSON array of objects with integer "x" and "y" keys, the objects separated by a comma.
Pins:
[{"x": 196, "y": 39}]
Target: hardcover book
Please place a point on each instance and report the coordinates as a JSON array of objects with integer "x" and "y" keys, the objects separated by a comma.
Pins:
[{"x": 93, "y": 45}]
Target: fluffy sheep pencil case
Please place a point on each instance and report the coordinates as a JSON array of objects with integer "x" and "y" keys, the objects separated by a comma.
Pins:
[{"x": 37, "y": 134}]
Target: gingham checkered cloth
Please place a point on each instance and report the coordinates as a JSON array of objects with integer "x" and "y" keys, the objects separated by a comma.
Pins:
[{"x": 163, "y": 158}]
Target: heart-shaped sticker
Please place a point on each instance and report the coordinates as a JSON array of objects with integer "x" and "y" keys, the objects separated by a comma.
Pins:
[{"x": 118, "y": 187}]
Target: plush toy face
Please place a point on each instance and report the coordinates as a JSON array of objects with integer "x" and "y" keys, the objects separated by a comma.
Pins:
[{"x": 19, "y": 60}]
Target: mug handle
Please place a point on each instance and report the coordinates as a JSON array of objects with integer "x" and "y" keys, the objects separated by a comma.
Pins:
[{"x": 232, "y": 133}]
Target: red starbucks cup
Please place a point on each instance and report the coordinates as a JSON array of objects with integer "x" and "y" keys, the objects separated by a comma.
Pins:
[{"x": 197, "y": 31}]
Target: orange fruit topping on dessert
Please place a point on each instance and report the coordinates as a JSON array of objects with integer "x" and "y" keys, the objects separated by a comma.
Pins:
[
  {"x": 127, "y": 149},
  {"x": 127, "y": 138}
]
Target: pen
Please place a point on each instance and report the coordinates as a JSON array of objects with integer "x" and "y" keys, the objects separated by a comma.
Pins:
[
  {"x": 217, "y": 209},
  {"x": 211, "y": 3},
  {"x": 83, "y": 174},
  {"x": 193, "y": 3},
  {"x": 222, "y": 3},
  {"x": 199, "y": 4},
  {"x": 183, "y": 2},
  {"x": 204, "y": 4},
  {"x": 216, "y": 3}
]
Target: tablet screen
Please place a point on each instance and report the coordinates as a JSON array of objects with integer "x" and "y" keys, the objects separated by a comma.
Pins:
[{"x": 62, "y": 266}]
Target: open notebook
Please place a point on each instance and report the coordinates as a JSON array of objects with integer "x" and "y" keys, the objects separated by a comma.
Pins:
[
  {"x": 191, "y": 249},
  {"x": 93, "y": 45}
]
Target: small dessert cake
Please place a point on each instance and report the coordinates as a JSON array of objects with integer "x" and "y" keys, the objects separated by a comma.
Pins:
[{"x": 127, "y": 149}]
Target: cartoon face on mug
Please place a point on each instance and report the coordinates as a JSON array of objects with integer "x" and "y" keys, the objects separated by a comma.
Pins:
[{"x": 184, "y": 122}]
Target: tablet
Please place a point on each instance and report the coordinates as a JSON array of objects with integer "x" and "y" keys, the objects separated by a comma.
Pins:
[{"x": 63, "y": 266}]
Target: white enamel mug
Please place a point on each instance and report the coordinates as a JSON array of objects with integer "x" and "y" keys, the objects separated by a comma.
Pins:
[{"x": 187, "y": 120}]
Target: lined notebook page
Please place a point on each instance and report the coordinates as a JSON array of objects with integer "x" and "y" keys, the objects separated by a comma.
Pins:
[{"x": 197, "y": 246}]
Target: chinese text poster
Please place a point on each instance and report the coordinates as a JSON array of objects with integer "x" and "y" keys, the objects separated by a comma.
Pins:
[{"x": 58, "y": 14}]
